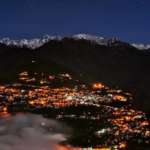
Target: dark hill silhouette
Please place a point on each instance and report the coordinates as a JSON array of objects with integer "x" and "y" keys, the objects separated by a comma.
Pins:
[{"x": 117, "y": 65}]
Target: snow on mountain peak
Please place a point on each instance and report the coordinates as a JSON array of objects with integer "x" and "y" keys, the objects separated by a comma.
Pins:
[
  {"x": 97, "y": 39},
  {"x": 104, "y": 41},
  {"x": 141, "y": 46},
  {"x": 88, "y": 36},
  {"x": 38, "y": 42},
  {"x": 30, "y": 43}
]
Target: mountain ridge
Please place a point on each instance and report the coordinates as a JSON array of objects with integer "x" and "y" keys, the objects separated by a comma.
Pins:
[
  {"x": 119, "y": 65},
  {"x": 38, "y": 42}
]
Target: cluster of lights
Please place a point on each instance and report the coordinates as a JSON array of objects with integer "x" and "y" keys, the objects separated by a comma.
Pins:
[{"x": 126, "y": 122}]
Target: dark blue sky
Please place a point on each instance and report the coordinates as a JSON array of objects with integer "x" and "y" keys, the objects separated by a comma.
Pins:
[{"x": 127, "y": 19}]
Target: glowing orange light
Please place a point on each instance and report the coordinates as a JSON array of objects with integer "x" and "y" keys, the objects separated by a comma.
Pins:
[
  {"x": 122, "y": 145},
  {"x": 120, "y": 98},
  {"x": 145, "y": 123},
  {"x": 105, "y": 148},
  {"x": 60, "y": 147},
  {"x": 98, "y": 86},
  {"x": 31, "y": 102},
  {"x": 5, "y": 109}
]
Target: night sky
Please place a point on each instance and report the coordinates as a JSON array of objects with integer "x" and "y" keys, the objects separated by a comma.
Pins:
[{"x": 127, "y": 19}]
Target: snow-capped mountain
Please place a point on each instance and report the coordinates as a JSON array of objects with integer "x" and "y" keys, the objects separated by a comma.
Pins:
[
  {"x": 141, "y": 46},
  {"x": 38, "y": 42},
  {"x": 99, "y": 40},
  {"x": 30, "y": 43},
  {"x": 106, "y": 41}
]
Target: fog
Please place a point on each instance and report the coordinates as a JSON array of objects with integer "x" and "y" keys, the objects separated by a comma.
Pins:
[{"x": 31, "y": 132}]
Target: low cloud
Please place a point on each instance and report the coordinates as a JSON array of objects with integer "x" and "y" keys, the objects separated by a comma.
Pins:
[{"x": 30, "y": 132}]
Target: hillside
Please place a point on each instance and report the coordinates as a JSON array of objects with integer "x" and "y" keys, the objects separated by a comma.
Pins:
[{"x": 117, "y": 65}]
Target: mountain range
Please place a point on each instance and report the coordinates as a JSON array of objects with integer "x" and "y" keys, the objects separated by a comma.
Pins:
[
  {"x": 38, "y": 42},
  {"x": 94, "y": 59}
]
